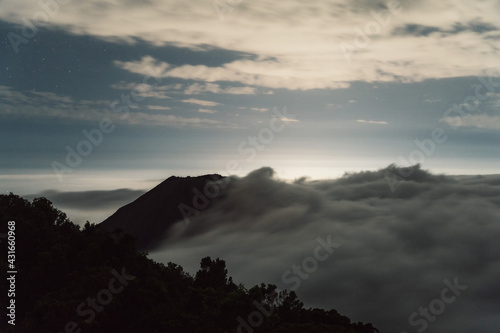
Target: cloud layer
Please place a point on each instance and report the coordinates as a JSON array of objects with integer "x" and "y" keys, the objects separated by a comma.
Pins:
[
  {"x": 296, "y": 45},
  {"x": 93, "y": 206},
  {"x": 396, "y": 248}
]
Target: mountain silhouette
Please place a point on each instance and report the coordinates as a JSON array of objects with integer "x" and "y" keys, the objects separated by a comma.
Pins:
[{"x": 149, "y": 217}]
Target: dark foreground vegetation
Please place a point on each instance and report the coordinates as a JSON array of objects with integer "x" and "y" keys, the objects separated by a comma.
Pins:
[{"x": 83, "y": 280}]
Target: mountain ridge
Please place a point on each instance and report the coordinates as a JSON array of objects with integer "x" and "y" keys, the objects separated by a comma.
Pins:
[{"x": 149, "y": 217}]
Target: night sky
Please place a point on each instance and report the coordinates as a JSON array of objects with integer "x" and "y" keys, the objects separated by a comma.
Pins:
[
  {"x": 102, "y": 100},
  {"x": 181, "y": 88}
]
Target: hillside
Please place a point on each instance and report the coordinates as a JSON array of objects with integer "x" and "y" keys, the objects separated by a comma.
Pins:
[
  {"x": 72, "y": 280},
  {"x": 150, "y": 216}
]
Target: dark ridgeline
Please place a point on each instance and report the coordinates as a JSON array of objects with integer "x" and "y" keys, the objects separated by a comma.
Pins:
[{"x": 150, "y": 216}]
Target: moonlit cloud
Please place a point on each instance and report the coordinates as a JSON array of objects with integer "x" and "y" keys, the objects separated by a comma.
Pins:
[
  {"x": 158, "y": 107},
  {"x": 190, "y": 90},
  {"x": 45, "y": 104},
  {"x": 396, "y": 249},
  {"x": 483, "y": 121},
  {"x": 259, "y": 109},
  {"x": 199, "y": 102},
  {"x": 372, "y": 122},
  {"x": 198, "y": 88},
  {"x": 206, "y": 111},
  {"x": 264, "y": 73},
  {"x": 175, "y": 121},
  {"x": 302, "y": 40}
]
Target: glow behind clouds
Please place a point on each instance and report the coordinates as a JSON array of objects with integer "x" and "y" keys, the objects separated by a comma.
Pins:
[
  {"x": 188, "y": 93},
  {"x": 196, "y": 86}
]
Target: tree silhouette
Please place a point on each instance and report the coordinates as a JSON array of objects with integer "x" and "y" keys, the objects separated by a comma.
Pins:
[{"x": 61, "y": 267}]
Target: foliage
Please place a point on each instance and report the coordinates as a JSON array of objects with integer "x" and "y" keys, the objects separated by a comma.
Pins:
[{"x": 60, "y": 267}]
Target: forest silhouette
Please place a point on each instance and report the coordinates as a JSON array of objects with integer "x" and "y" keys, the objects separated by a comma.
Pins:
[{"x": 73, "y": 279}]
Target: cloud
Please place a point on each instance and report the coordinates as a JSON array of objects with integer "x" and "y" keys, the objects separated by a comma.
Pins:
[
  {"x": 144, "y": 90},
  {"x": 190, "y": 88},
  {"x": 47, "y": 104},
  {"x": 372, "y": 122},
  {"x": 92, "y": 206},
  {"x": 259, "y": 109},
  {"x": 303, "y": 40},
  {"x": 140, "y": 118},
  {"x": 199, "y": 102},
  {"x": 158, "y": 107},
  {"x": 90, "y": 199},
  {"x": 198, "y": 88},
  {"x": 483, "y": 121},
  {"x": 44, "y": 104},
  {"x": 396, "y": 249},
  {"x": 147, "y": 66},
  {"x": 206, "y": 111},
  {"x": 264, "y": 73},
  {"x": 289, "y": 120}
]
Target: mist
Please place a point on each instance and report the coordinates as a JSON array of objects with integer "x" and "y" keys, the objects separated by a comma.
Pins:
[{"x": 422, "y": 255}]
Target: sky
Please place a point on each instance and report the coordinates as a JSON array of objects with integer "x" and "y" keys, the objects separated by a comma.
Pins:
[
  {"x": 102, "y": 100},
  {"x": 101, "y": 95}
]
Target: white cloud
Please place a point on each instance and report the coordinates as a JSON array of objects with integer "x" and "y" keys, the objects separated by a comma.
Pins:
[
  {"x": 302, "y": 39},
  {"x": 289, "y": 120},
  {"x": 433, "y": 100},
  {"x": 199, "y": 102},
  {"x": 396, "y": 247},
  {"x": 372, "y": 122},
  {"x": 198, "y": 88},
  {"x": 140, "y": 118},
  {"x": 147, "y": 66},
  {"x": 478, "y": 121},
  {"x": 264, "y": 73},
  {"x": 158, "y": 107},
  {"x": 45, "y": 104},
  {"x": 143, "y": 89},
  {"x": 206, "y": 111},
  {"x": 259, "y": 109}
]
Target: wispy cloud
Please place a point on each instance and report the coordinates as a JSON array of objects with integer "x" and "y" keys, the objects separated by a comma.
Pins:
[
  {"x": 199, "y": 102},
  {"x": 158, "y": 107},
  {"x": 206, "y": 111},
  {"x": 372, "y": 122},
  {"x": 43, "y": 104},
  {"x": 263, "y": 73},
  {"x": 307, "y": 56},
  {"x": 397, "y": 248},
  {"x": 483, "y": 121},
  {"x": 198, "y": 88}
]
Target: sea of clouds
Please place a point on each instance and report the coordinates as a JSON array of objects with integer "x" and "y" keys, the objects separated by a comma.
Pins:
[{"x": 421, "y": 256}]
